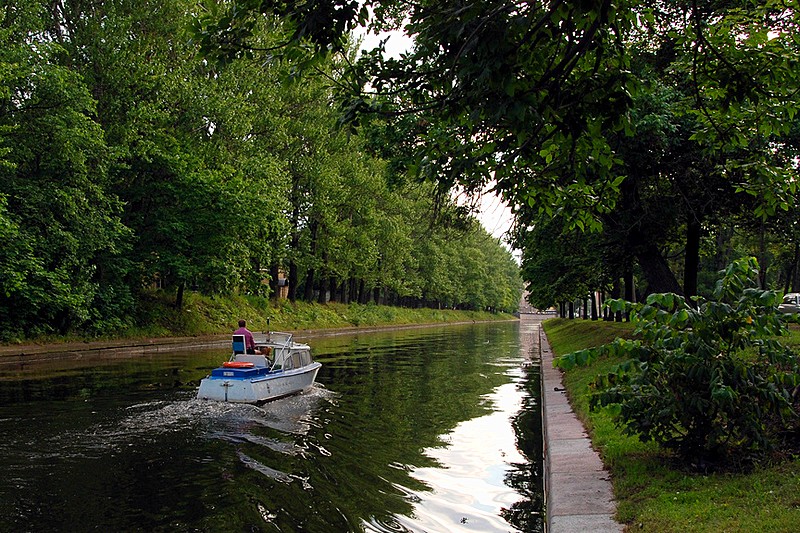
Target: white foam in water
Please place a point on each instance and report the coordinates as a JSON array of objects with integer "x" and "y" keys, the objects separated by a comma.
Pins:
[{"x": 149, "y": 421}]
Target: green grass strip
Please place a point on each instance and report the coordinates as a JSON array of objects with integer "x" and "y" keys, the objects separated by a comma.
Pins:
[
  {"x": 653, "y": 492},
  {"x": 203, "y": 315}
]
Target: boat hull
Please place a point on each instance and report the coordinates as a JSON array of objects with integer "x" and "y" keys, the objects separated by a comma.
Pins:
[{"x": 256, "y": 385}]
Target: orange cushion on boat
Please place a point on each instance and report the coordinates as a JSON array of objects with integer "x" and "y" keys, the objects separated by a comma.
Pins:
[{"x": 238, "y": 364}]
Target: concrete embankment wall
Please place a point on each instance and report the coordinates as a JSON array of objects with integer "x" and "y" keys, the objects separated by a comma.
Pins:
[{"x": 578, "y": 490}]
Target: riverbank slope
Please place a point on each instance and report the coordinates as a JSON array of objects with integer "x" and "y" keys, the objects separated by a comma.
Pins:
[{"x": 212, "y": 319}]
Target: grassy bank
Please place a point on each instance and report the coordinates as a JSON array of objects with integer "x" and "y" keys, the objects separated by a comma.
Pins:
[
  {"x": 209, "y": 315},
  {"x": 653, "y": 492}
]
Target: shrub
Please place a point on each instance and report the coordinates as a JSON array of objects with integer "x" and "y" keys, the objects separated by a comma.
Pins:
[{"x": 710, "y": 380}]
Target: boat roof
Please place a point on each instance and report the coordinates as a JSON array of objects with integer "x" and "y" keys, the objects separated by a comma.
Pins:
[{"x": 279, "y": 339}]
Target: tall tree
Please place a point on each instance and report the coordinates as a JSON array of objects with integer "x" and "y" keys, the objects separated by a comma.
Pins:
[
  {"x": 199, "y": 220},
  {"x": 62, "y": 225},
  {"x": 535, "y": 95},
  {"x": 563, "y": 266}
]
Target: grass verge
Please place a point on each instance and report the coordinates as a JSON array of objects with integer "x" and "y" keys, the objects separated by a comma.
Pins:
[
  {"x": 203, "y": 315},
  {"x": 654, "y": 494}
]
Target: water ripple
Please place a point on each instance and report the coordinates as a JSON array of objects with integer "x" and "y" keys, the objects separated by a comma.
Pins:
[{"x": 261, "y": 468}]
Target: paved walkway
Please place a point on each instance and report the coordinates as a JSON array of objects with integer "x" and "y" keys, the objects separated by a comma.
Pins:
[
  {"x": 577, "y": 487},
  {"x": 34, "y": 353}
]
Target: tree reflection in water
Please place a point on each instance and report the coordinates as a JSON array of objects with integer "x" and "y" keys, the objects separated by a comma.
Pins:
[{"x": 434, "y": 429}]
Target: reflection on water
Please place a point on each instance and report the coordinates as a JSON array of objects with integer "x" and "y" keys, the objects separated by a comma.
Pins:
[
  {"x": 466, "y": 488},
  {"x": 418, "y": 430}
]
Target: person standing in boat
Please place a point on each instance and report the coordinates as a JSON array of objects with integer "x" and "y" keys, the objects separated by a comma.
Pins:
[{"x": 249, "y": 342}]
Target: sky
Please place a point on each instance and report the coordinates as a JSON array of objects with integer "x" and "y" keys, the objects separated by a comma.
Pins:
[{"x": 493, "y": 214}]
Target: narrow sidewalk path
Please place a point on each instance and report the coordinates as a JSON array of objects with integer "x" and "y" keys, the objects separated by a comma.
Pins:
[
  {"x": 31, "y": 352},
  {"x": 578, "y": 490}
]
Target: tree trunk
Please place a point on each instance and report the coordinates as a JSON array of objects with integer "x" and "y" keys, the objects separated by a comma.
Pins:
[
  {"x": 654, "y": 267},
  {"x": 322, "y": 296},
  {"x": 308, "y": 292},
  {"x": 615, "y": 294},
  {"x": 363, "y": 293},
  {"x": 294, "y": 246},
  {"x": 691, "y": 262},
  {"x": 594, "y": 306},
  {"x": 630, "y": 287},
  {"x": 630, "y": 290},
  {"x": 308, "y": 289},
  {"x": 353, "y": 289},
  {"x": 292, "y": 281},
  {"x": 179, "y": 296},
  {"x": 332, "y": 289},
  {"x": 763, "y": 261},
  {"x": 656, "y": 271},
  {"x": 273, "y": 281}
]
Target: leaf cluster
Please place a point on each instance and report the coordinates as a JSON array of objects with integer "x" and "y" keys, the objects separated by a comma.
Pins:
[{"x": 709, "y": 378}]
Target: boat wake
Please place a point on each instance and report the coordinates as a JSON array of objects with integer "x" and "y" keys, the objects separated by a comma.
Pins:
[
  {"x": 292, "y": 414},
  {"x": 150, "y": 422}
]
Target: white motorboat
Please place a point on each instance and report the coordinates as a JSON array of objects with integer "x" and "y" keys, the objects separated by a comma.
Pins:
[{"x": 280, "y": 367}]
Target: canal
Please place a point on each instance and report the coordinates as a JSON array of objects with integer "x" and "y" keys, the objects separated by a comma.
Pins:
[{"x": 432, "y": 429}]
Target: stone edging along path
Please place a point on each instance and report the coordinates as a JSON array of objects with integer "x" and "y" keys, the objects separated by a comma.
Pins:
[
  {"x": 32, "y": 352},
  {"x": 578, "y": 490}
]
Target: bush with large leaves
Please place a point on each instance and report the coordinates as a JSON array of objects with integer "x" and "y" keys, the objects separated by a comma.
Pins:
[{"x": 709, "y": 380}]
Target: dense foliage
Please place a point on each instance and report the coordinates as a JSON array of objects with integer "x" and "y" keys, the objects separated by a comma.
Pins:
[
  {"x": 655, "y": 493},
  {"x": 710, "y": 170},
  {"x": 129, "y": 161},
  {"x": 710, "y": 380},
  {"x": 669, "y": 126}
]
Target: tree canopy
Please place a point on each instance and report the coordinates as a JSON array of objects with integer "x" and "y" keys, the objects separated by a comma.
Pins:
[
  {"x": 575, "y": 110},
  {"x": 129, "y": 162}
]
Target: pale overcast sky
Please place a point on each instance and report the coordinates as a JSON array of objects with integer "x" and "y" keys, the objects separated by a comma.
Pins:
[{"x": 494, "y": 214}]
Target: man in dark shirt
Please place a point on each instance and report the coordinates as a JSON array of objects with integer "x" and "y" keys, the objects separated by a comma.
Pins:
[{"x": 249, "y": 342}]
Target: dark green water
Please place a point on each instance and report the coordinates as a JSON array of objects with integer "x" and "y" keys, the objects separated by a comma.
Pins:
[{"x": 434, "y": 429}]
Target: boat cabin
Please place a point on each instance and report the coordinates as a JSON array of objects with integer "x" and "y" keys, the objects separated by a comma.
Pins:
[{"x": 275, "y": 351}]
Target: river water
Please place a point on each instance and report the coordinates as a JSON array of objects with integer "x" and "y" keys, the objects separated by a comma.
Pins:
[{"x": 430, "y": 429}]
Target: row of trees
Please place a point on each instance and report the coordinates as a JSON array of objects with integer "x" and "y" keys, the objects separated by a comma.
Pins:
[
  {"x": 636, "y": 139},
  {"x": 127, "y": 160},
  {"x": 710, "y": 161}
]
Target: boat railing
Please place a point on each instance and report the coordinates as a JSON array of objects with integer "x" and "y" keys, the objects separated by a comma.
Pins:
[
  {"x": 281, "y": 348},
  {"x": 279, "y": 344},
  {"x": 280, "y": 338}
]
